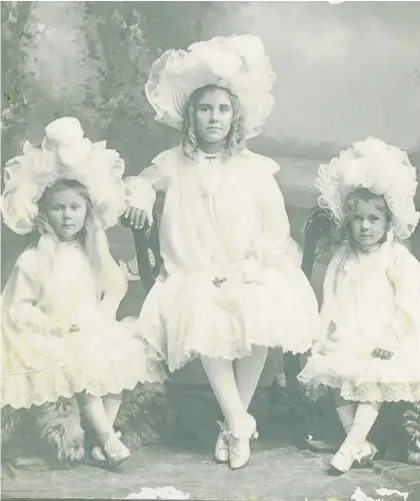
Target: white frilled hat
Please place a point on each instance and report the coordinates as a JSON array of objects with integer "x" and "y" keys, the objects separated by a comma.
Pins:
[
  {"x": 64, "y": 154},
  {"x": 382, "y": 169},
  {"x": 237, "y": 63}
]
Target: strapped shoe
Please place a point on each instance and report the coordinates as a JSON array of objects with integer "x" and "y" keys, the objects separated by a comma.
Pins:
[
  {"x": 221, "y": 451},
  {"x": 239, "y": 447}
]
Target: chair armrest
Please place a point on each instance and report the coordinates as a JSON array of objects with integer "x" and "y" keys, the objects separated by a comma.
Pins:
[
  {"x": 146, "y": 270},
  {"x": 318, "y": 226},
  {"x": 146, "y": 240}
]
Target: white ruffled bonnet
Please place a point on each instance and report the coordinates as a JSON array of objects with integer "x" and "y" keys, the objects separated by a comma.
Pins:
[
  {"x": 64, "y": 154},
  {"x": 237, "y": 63},
  {"x": 383, "y": 169}
]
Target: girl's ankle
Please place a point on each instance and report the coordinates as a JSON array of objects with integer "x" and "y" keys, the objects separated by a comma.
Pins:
[
  {"x": 243, "y": 427},
  {"x": 105, "y": 437}
]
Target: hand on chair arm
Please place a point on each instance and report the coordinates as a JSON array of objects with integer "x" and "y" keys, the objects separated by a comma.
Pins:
[{"x": 141, "y": 198}]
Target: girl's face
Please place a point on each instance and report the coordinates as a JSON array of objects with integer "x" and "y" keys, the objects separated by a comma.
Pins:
[
  {"x": 66, "y": 213},
  {"x": 213, "y": 116},
  {"x": 368, "y": 224}
]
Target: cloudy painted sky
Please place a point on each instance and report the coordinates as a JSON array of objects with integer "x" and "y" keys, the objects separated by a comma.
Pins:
[{"x": 345, "y": 71}]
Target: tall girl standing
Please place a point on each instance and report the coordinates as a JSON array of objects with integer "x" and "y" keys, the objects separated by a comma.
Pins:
[
  {"x": 369, "y": 350},
  {"x": 59, "y": 334},
  {"x": 231, "y": 284}
]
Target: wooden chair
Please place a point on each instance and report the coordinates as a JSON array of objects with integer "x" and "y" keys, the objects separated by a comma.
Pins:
[
  {"x": 146, "y": 243},
  {"x": 318, "y": 230},
  {"x": 318, "y": 227}
]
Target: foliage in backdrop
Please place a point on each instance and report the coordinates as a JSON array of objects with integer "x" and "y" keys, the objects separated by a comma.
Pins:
[{"x": 91, "y": 60}]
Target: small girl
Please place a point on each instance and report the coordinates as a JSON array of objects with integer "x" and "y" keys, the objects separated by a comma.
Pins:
[
  {"x": 369, "y": 352},
  {"x": 231, "y": 284},
  {"x": 59, "y": 333}
]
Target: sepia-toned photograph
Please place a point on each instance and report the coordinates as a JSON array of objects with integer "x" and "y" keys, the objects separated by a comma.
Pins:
[{"x": 210, "y": 250}]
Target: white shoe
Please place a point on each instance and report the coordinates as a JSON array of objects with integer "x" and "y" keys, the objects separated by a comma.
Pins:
[
  {"x": 346, "y": 456},
  {"x": 239, "y": 448},
  {"x": 221, "y": 451},
  {"x": 97, "y": 452},
  {"x": 116, "y": 452},
  {"x": 343, "y": 460},
  {"x": 366, "y": 454}
]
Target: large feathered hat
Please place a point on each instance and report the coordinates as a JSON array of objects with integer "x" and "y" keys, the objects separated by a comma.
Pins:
[
  {"x": 237, "y": 63},
  {"x": 383, "y": 169},
  {"x": 64, "y": 154}
]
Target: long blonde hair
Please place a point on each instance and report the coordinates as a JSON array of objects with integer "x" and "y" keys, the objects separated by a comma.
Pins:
[
  {"x": 235, "y": 140},
  {"x": 93, "y": 239}
]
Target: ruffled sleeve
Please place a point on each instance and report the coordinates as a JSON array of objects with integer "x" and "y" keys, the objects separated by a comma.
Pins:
[
  {"x": 141, "y": 189},
  {"x": 114, "y": 283},
  {"x": 274, "y": 246},
  {"x": 328, "y": 307},
  {"x": 22, "y": 297},
  {"x": 404, "y": 274}
]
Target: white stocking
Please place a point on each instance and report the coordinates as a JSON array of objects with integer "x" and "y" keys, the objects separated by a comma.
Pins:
[
  {"x": 346, "y": 414},
  {"x": 94, "y": 412},
  {"x": 346, "y": 411},
  {"x": 112, "y": 404},
  {"x": 222, "y": 380},
  {"x": 366, "y": 415},
  {"x": 248, "y": 371}
]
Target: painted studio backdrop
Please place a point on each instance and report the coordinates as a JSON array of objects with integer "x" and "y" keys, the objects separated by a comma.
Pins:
[{"x": 345, "y": 72}]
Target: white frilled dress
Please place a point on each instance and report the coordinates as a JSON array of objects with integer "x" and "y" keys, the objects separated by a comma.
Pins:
[
  {"x": 41, "y": 359},
  {"x": 226, "y": 221},
  {"x": 371, "y": 301}
]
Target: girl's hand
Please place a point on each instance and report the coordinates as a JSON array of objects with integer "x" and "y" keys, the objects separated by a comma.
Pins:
[
  {"x": 136, "y": 217},
  {"x": 382, "y": 354}
]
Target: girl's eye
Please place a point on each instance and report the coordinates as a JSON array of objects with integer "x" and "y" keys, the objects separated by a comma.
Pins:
[
  {"x": 203, "y": 107},
  {"x": 373, "y": 219},
  {"x": 75, "y": 206},
  {"x": 224, "y": 108}
]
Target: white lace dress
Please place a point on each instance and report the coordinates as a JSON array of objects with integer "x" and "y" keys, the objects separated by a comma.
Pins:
[
  {"x": 232, "y": 275},
  {"x": 42, "y": 359},
  {"x": 371, "y": 301}
]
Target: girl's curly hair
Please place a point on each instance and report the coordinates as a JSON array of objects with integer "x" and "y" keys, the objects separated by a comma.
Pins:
[
  {"x": 235, "y": 140},
  {"x": 350, "y": 207}
]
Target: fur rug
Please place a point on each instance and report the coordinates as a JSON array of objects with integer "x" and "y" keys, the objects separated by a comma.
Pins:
[
  {"x": 396, "y": 432},
  {"x": 55, "y": 433},
  {"x": 412, "y": 427}
]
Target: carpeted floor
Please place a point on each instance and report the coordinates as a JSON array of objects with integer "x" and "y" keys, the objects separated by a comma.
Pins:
[{"x": 279, "y": 470}]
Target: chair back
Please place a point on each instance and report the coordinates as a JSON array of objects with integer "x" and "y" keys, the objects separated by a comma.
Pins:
[{"x": 319, "y": 228}]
